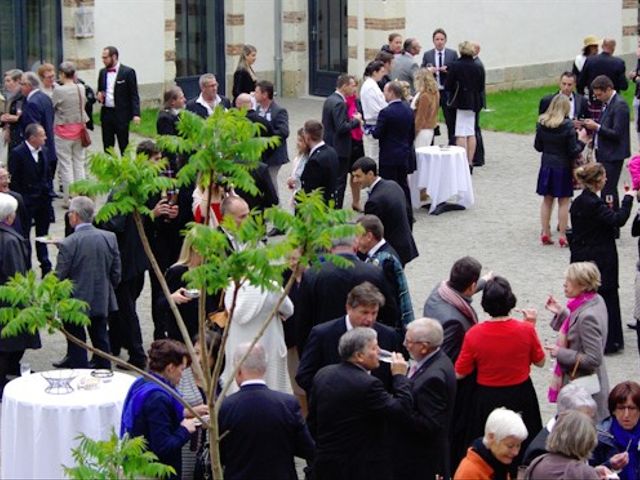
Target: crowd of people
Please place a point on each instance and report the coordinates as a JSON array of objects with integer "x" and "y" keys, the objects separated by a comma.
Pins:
[{"x": 329, "y": 381}]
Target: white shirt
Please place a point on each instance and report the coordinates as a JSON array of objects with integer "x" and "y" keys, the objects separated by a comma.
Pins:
[
  {"x": 206, "y": 105},
  {"x": 34, "y": 151},
  {"x": 256, "y": 381},
  {"x": 109, "y": 100},
  {"x": 375, "y": 248},
  {"x": 375, "y": 182},
  {"x": 32, "y": 92},
  {"x": 438, "y": 65},
  {"x": 348, "y": 323},
  {"x": 372, "y": 100},
  {"x": 316, "y": 147}
]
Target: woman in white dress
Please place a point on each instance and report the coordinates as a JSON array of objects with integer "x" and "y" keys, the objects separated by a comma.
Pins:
[
  {"x": 253, "y": 306},
  {"x": 372, "y": 101}
]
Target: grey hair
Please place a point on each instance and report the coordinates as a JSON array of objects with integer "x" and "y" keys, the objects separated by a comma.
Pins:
[
  {"x": 14, "y": 74},
  {"x": 32, "y": 129},
  {"x": 427, "y": 330},
  {"x": 354, "y": 341},
  {"x": 255, "y": 362},
  {"x": 503, "y": 423},
  {"x": 8, "y": 205},
  {"x": 574, "y": 435},
  {"x": 84, "y": 207},
  {"x": 32, "y": 79},
  {"x": 575, "y": 397},
  {"x": 205, "y": 77},
  {"x": 68, "y": 69},
  {"x": 342, "y": 242}
]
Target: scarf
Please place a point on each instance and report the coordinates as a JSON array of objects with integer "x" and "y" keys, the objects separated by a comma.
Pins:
[
  {"x": 627, "y": 440},
  {"x": 500, "y": 470},
  {"x": 557, "y": 376},
  {"x": 456, "y": 300},
  {"x": 138, "y": 394}
]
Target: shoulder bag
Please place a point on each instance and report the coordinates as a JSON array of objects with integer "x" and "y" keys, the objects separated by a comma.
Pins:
[{"x": 85, "y": 138}]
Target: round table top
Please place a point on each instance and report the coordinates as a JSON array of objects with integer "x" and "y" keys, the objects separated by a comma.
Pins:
[{"x": 30, "y": 390}]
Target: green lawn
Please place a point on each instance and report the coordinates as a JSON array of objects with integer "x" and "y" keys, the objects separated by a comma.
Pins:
[
  {"x": 147, "y": 127},
  {"x": 516, "y": 111}
]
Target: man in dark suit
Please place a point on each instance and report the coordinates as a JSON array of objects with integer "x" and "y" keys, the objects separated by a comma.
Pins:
[
  {"x": 263, "y": 430},
  {"x": 337, "y": 129},
  {"x": 387, "y": 202},
  {"x": 30, "y": 167},
  {"x": 323, "y": 291},
  {"x": 604, "y": 64},
  {"x": 37, "y": 108},
  {"x": 350, "y": 411},
  {"x": 579, "y": 107},
  {"x": 209, "y": 98},
  {"x": 437, "y": 61},
  {"x": 118, "y": 94},
  {"x": 91, "y": 260},
  {"x": 22, "y": 221},
  {"x": 278, "y": 119},
  {"x": 363, "y": 303},
  {"x": 611, "y": 134},
  {"x": 395, "y": 130},
  {"x": 322, "y": 166},
  {"x": 421, "y": 439}
]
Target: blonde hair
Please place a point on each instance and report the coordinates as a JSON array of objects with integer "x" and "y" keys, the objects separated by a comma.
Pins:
[
  {"x": 590, "y": 176},
  {"x": 466, "y": 48},
  {"x": 556, "y": 113},
  {"x": 186, "y": 251},
  {"x": 574, "y": 435},
  {"x": 425, "y": 82},
  {"x": 44, "y": 68},
  {"x": 242, "y": 61},
  {"x": 585, "y": 274}
]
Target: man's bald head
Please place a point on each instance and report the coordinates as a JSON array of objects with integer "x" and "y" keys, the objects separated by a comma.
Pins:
[
  {"x": 243, "y": 101},
  {"x": 608, "y": 45}
]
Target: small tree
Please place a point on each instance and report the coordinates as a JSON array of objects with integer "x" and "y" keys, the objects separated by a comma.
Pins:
[
  {"x": 115, "y": 459},
  {"x": 225, "y": 148}
]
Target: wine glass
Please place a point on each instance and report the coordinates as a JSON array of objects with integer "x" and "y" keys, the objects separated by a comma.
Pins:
[
  {"x": 25, "y": 369},
  {"x": 609, "y": 200}
]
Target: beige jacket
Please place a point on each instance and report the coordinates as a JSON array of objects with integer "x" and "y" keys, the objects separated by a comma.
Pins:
[{"x": 69, "y": 108}]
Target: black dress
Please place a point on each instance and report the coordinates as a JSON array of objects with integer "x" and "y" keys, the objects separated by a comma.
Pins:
[
  {"x": 243, "y": 82},
  {"x": 595, "y": 228}
]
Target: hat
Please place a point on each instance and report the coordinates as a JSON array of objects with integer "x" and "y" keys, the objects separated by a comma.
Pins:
[{"x": 590, "y": 40}]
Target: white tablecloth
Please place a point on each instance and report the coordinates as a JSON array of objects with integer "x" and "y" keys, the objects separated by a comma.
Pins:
[
  {"x": 444, "y": 173},
  {"x": 39, "y": 429}
]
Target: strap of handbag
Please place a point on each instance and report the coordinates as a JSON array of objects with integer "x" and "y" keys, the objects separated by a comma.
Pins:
[
  {"x": 80, "y": 103},
  {"x": 574, "y": 370}
]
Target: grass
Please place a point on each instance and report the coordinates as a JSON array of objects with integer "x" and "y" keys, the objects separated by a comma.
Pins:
[
  {"x": 512, "y": 111},
  {"x": 147, "y": 127},
  {"x": 516, "y": 111}
]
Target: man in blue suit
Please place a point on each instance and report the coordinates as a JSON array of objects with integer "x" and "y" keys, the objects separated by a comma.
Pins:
[
  {"x": 30, "y": 167},
  {"x": 263, "y": 429},
  {"x": 395, "y": 130},
  {"x": 37, "y": 108}
]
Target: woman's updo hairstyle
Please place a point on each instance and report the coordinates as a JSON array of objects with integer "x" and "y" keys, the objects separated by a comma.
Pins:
[
  {"x": 497, "y": 297},
  {"x": 590, "y": 175}
]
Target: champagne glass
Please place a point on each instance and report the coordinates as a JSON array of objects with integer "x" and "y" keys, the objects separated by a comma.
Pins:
[
  {"x": 25, "y": 369},
  {"x": 384, "y": 356}
]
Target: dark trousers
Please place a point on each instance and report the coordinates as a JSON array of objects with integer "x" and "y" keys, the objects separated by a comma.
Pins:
[
  {"x": 399, "y": 175},
  {"x": 341, "y": 180},
  {"x": 99, "y": 339},
  {"x": 111, "y": 129},
  {"x": 159, "y": 315},
  {"x": 9, "y": 365},
  {"x": 124, "y": 325},
  {"x": 449, "y": 117},
  {"x": 613, "y": 169},
  {"x": 478, "y": 157},
  {"x": 40, "y": 214},
  {"x": 615, "y": 340}
]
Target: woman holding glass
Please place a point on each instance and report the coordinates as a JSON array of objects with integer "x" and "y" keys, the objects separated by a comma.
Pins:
[{"x": 595, "y": 227}]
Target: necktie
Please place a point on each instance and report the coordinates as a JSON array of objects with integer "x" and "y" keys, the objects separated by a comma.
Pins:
[
  {"x": 412, "y": 369},
  {"x": 439, "y": 59},
  {"x": 111, "y": 70}
]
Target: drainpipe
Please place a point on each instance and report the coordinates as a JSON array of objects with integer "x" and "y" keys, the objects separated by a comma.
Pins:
[{"x": 278, "y": 46}]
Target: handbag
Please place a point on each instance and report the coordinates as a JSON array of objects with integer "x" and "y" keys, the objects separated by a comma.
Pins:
[
  {"x": 591, "y": 382},
  {"x": 85, "y": 138}
]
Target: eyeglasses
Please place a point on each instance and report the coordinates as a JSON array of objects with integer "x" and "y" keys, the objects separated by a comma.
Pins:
[
  {"x": 411, "y": 342},
  {"x": 629, "y": 408},
  {"x": 7, "y": 176}
]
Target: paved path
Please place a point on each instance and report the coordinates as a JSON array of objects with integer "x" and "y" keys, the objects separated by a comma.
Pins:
[{"x": 501, "y": 230}]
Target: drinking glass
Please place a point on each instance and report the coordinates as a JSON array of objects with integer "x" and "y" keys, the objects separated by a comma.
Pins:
[
  {"x": 609, "y": 200},
  {"x": 25, "y": 369},
  {"x": 384, "y": 356}
]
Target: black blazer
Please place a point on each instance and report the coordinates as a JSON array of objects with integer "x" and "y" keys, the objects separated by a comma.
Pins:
[
  {"x": 199, "y": 110},
  {"x": 39, "y": 109},
  {"x": 23, "y": 221},
  {"x": 449, "y": 57},
  {"x": 132, "y": 255},
  {"x": 322, "y": 350},
  {"x": 337, "y": 126},
  {"x": 167, "y": 122},
  {"x": 395, "y": 129},
  {"x": 614, "y": 144},
  {"x": 465, "y": 84},
  {"x": 28, "y": 178},
  {"x": 603, "y": 64},
  {"x": 421, "y": 439},
  {"x": 349, "y": 415},
  {"x": 580, "y": 105},
  {"x": 125, "y": 93},
  {"x": 263, "y": 432},
  {"x": 321, "y": 171},
  {"x": 278, "y": 119},
  {"x": 388, "y": 203},
  {"x": 559, "y": 145},
  {"x": 242, "y": 83},
  {"x": 266, "y": 196},
  {"x": 595, "y": 227}
]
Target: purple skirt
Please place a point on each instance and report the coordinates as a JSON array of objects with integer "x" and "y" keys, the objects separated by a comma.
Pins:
[{"x": 556, "y": 182}]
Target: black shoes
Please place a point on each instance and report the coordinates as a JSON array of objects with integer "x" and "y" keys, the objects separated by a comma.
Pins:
[{"x": 64, "y": 363}]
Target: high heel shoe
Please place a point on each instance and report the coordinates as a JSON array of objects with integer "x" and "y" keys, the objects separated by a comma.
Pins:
[
  {"x": 563, "y": 242},
  {"x": 546, "y": 239}
]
